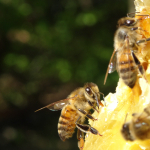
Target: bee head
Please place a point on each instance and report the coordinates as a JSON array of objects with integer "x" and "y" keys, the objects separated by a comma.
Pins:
[
  {"x": 127, "y": 21},
  {"x": 126, "y": 132},
  {"x": 92, "y": 92}
]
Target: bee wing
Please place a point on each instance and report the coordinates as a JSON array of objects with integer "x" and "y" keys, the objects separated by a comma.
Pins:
[
  {"x": 57, "y": 105},
  {"x": 112, "y": 65}
]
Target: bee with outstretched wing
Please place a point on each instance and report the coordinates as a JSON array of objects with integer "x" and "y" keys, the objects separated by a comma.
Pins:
[
  {"x": 74, "y": 110},
  {"x": 56, "y": 105},
  {"x": 126, "y": 43}
]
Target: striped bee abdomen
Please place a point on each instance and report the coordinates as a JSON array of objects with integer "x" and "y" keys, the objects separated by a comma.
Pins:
[
  {"x": 66, "y": 124},
  {"x": 127, "y": 69}
]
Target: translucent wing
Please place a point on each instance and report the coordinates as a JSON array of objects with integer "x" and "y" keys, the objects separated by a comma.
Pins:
[
  {"x": 57, "y": 105},
  {"x": 112, "y": 65}
]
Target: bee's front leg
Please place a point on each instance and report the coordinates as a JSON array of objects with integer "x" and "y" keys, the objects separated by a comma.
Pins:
[
  {"x": 86, "y": 128},
  {"x": 93, "y": 106},
  {"x": 86, "y": 114},
  {"x": 80, "y": 137}
]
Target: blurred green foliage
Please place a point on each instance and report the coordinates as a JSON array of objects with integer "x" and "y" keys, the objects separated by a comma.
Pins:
[{"x": 48, "y": 48}]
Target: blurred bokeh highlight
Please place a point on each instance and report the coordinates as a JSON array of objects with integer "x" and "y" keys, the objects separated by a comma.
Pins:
[{"x": 49, "y": 48}]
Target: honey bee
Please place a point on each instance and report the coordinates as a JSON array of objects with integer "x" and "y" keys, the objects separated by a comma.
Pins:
[
  {"x": 127, "y": 39},
  {"x": 138, "y": 127},
  {"x": 74, "y": 110}
]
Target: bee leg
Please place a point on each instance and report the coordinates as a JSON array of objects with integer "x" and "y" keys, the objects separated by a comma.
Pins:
[
  {"x": 80, "y": 137},
  {"x": 91, "y": 104},
  {"x": 86, "y": 114},
  {"x": 86, "y": 128},
  {"x": 139, "y": 28},
  {"x": 139, "y": 65},
  {"x": 142, "y": 41},
  {"x": 135, "y": 28}
]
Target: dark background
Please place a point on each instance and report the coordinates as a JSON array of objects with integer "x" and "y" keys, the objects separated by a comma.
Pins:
[{"x": 48, "y": 48}]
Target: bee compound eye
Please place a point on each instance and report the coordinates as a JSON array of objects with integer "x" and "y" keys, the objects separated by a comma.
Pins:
[
  {"x": 88, "y": 90},
  {"x": 129, "y": 22},
  {"x": 125, "y": 126}
]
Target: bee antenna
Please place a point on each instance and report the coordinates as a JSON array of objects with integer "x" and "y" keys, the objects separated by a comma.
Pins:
[
  {"x": 40, "y": 109},
  {"x": 97, "y": 101},
  {"x": 129, "y": 14},
  {"x": 96, "y": 98},
  {"x": 125, "y": 117}
]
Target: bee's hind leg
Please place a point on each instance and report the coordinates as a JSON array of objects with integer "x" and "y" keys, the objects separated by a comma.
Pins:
[
  {"x": 139, "y": 65},
  {"x": 86, "y": 128},
  {"x": 80, "y": 137}
]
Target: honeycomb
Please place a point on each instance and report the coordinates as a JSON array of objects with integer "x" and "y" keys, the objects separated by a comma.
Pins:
[{"x": 124, "y": 101}]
